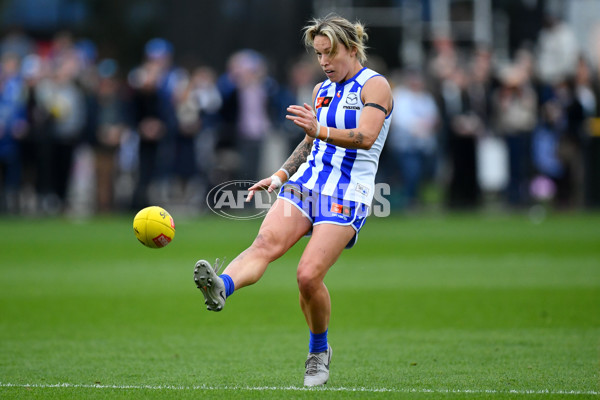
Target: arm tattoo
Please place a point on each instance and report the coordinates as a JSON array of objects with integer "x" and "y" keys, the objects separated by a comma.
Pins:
[
  {"x": 299, "y": 155},
  {"x": 358, "y": 140}
]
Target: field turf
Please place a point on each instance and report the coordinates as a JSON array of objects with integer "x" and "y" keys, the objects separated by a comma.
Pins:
[{"x": 425, "y": 307}]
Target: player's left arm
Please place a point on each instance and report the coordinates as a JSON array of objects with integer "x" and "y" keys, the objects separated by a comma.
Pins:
[{"x": 377, "y": 100}]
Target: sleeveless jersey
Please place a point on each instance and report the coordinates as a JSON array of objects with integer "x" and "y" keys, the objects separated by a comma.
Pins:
[{"x": 347, "y": 174}]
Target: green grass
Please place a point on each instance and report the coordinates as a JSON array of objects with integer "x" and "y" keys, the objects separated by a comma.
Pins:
[{"x": 456, "y": 307}]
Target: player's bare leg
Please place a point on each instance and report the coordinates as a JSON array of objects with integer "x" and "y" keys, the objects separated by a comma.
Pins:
[
  {"x": 282, "y": 227},
  {"x": 324, "y": 248}
]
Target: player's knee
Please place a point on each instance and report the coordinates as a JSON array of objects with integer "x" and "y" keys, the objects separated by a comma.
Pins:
[
  {"x": 269, "y": 244},
  {"x": 309, "y": 280}
]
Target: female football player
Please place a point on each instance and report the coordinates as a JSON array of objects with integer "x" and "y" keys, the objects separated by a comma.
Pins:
[{"x": 326, "y": 185}]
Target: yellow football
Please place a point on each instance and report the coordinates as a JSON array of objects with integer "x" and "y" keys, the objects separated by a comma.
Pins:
[{"x": 154, "y": 227}]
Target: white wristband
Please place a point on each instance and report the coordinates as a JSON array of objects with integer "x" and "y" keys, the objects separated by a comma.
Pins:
[{"x": 318, "y": 130}]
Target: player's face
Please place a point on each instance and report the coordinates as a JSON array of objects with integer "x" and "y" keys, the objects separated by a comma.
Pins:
[{"x": 338, "y": 68}]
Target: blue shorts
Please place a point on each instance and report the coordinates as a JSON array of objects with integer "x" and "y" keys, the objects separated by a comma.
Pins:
[{"x": 323, "y": 209}]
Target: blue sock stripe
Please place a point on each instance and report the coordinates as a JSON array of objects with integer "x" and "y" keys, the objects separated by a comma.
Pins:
[
  {"x": 229, "y": 286},
  {"x": 318, "y": 342}
]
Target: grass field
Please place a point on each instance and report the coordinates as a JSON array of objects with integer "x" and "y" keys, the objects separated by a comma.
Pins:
[{"x": 453, "y": 307}]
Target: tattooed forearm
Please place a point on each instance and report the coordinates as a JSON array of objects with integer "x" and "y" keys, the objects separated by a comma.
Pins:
[
  {"x": 357, "y": 138},
  {"x": 299, "y": 155}
]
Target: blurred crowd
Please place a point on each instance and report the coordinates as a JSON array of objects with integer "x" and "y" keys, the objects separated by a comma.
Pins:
[
  {"x": 515, "y": 133},
  {"x": 80, "y": 134},
  {"x": 77, "y": 133}
]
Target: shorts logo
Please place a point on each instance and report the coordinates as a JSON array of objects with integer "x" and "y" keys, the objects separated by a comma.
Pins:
[
  {"x": 336, "y": 208},
  {"x": 323, "y": 102},
  {"x": 340, "y": 209}
]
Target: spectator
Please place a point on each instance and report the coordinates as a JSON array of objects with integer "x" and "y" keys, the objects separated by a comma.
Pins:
[
  {"x": 249, "y": 97},
  {"x": 13, "y": 127},
  {"x": 197, "y": 107},
  {"x": 33, "y": 162},
  {"x": 60, "y": 94},
  {"x": 413, "y": 136},
  {"x": 570, "y": 186},
  {"x": 546, "y": 138},
  {"x": 557, "y": 51},
  {"x": 255, "y": 91},
  {"x": 109, "y": 128},
  {"x": 149, "y": 125},
  {"x": 462, "y": 126},
  {"x": 584, "y": 89},
  {"x": 157, "y": 85},
  {"x": 491, "y": 169},
  {"x": 515, "y": 116}
]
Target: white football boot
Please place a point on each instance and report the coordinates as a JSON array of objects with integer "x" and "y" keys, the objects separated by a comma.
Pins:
[
  {"x": 209, "y": 283},
  {"x": 317, "y": 368}
]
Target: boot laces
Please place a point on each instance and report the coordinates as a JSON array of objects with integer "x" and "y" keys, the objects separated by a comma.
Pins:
[
  {"x": 312, "y": 365},
  {"x": 218, "y": 265}
]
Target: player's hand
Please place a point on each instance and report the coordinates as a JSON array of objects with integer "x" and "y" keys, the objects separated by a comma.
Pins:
[
  {"x": 269, "y": 184},
  {"x": 305, "y": 118}
]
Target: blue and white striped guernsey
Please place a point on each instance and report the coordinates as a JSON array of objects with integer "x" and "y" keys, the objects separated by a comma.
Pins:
[{"x": 347, "y": 174}]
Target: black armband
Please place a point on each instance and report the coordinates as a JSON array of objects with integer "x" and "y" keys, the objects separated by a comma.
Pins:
[{"x": 377, "y": 106}]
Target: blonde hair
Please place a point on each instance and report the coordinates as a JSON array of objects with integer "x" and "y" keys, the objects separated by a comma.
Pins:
[{"x": 339, "y": 31}]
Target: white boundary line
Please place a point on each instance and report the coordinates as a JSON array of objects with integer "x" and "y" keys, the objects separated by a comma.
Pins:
[{"x": 298, "y": 389}]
